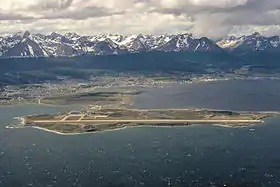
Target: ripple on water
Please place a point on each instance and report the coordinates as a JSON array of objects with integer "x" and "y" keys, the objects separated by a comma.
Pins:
[{"x": 150, "y": 157}]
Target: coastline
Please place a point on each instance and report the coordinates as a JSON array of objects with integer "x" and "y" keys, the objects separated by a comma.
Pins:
[
  {"x": 131, "y": 104},
  {"x": 235, "y": 127},
  {"x": 71, "y": 134},
  {"x": 183, "y": 117},
  {"x": 161, "y": 85},
  {"x": 136, "y": 126},
  {"x": 206, "y": 80},
  {"x": 53, "y": 131},
  {"x": 22, "y": 119},
  {"x": 44, "y": 104}
]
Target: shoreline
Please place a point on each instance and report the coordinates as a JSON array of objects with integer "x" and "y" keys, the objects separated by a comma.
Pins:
[
  {"x": 143, "y": 89},
  {"x": 173, "y": 118},
  {"x": 235, "y": 127},
  {"x": 43, "y": 104},
  {"x": 152, "y": 125},
  {"x": 53, "y": 131},
  {"x": 72, "y": 134},
  {"x": 126, "y": 127},
  {"x": 130, "y": 87},
  {"x": 214, "y": 122}
]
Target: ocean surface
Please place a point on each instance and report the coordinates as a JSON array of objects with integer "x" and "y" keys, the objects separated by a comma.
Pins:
[{"x": 195, "y": 156}]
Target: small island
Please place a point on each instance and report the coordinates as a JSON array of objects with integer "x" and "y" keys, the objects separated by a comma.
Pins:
[
  {"x": 111, "y": 109},
  {"x": 96, "y": 119}
]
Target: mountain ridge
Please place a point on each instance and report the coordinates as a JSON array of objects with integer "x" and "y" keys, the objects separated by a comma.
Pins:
[
  {"x": 247, "y": 43},
  {"x": 26, "y": 44}
]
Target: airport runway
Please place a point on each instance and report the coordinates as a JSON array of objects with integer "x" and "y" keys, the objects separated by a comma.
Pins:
[{"x": 144, "y": 121}]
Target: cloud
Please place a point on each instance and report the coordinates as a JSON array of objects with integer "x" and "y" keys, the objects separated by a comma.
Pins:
[
  {"x": 88, "y": 12},
  {"x": 7, "y": 17},
  {"x": 197, "y": 4},
  {"x": 51, "y": 5},
  {"x": 212, "y": 18}
]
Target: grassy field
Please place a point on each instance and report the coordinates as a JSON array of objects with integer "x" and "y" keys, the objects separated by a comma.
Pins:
[{"x": 97, "y": 97}]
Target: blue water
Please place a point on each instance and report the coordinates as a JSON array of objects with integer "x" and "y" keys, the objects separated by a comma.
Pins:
[
  {"x": 201, "y": 155},
  {"x": 249, "y": 95}
]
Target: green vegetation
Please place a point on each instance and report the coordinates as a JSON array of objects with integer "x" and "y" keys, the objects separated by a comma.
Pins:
[{"x": 36, "y": 70}]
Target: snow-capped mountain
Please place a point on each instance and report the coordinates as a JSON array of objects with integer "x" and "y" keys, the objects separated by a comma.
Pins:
[
  {"x": 26, "y": 44},
  {"x": 254, "y": 42},
  {"x": 186, "y": 42}
]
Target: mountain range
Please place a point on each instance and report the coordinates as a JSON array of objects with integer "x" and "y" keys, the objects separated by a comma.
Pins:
[{"x": 26, "y": 44}]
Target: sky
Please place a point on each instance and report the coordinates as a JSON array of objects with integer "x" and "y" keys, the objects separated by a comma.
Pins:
[{"x": 211, "y": 18}]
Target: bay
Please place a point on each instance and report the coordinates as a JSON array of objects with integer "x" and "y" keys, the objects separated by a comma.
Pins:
[
  {"x": 242, "y": 95},
  {"x": 200, "y": 155}
]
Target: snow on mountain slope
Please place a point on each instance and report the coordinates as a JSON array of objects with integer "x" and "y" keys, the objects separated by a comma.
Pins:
[
  {"x": 134, "y": 43},
  {"x": 186, "y": 42},
  {"x": 25, "y": 44},
  {"x": 26, "y": 48},
  {"x": 107, "y": 47},
  {"x": 22, "y": 45},
  {"x": 254, "y": 42}
]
